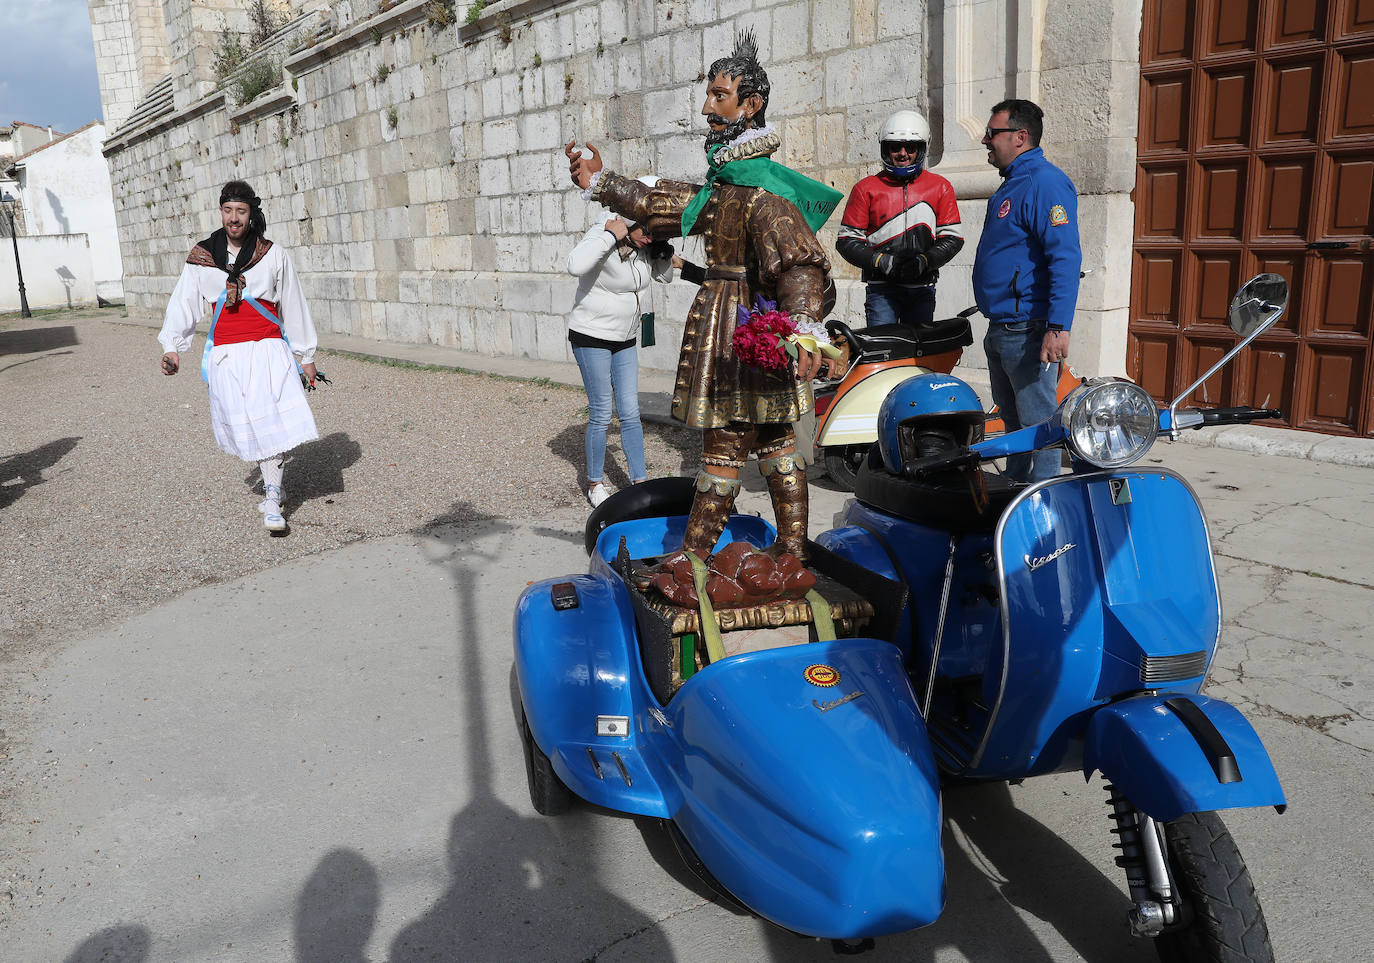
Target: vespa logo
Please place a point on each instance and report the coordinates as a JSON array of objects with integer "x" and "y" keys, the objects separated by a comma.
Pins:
[
  {"x": 836, "y": 703},
  {"x": 1034, "y": 563}
]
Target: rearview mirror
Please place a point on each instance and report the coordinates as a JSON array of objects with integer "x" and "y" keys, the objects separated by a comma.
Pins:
[{"x": 1258, "y": 304}]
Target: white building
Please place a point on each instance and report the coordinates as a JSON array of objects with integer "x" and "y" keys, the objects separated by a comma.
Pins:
[{"x": 63, "y": 187}]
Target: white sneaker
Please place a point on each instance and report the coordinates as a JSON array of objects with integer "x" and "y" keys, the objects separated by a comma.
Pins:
[
  {"x": 272, "y": 518},
  {"x": 597, "y": 493}
]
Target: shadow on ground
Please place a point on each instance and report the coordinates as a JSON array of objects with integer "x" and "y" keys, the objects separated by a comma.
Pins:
[
  {"x": 313, "y": 470},
  {"x": 34, "y": 340},
  {"x": 20, "y": 472}
]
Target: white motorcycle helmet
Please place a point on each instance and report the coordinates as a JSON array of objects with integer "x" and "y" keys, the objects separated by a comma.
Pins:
[{"x": 905, "y": 125}]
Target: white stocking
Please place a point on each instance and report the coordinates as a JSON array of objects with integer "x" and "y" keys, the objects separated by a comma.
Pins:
[{"x": 271, "y": 476}]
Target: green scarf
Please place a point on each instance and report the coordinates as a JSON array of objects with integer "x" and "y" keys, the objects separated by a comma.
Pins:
[{"x": 815, "y": 200}]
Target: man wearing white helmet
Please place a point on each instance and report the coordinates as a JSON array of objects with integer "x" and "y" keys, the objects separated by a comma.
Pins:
[{"x": 900, "y": 226}]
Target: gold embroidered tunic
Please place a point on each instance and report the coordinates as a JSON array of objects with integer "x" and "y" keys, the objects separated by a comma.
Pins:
[{"x": 756, "y": 243}]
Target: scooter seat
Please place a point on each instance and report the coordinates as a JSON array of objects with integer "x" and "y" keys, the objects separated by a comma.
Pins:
[
  {"x": 943, "y": 502},
  {"x": 888, "y": 342}
]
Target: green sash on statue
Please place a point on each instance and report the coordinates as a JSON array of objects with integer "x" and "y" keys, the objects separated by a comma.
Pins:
[{"x": 815, "y": 200}]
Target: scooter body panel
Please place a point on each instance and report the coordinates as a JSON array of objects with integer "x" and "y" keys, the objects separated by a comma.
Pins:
[
  {"x": 579, "y": 665},
  {"x": 1090, "y": 582},
  {"x": 1098, "y": 569},
  {"x": 852, "y": 418},
  {"x": 1173, "y": 753},
  {"x": 816, "y": 805}
]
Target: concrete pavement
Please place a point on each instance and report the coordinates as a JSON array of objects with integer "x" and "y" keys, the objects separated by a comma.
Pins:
[{"x": 319, "y": 762}]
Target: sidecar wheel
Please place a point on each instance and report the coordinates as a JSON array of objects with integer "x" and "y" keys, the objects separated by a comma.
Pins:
[
  {"x": 549, "y": 795},
  {"x": 1226, "y": 924}
]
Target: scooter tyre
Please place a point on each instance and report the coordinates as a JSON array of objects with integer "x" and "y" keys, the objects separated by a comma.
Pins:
[
  {"x": 689, "y": 856},
  {"x": 548, "y": 793},
  {"x": 842, "y": 463},
  {"x": 657, "y": 497},
  {"x": 1227, "y": 924}
]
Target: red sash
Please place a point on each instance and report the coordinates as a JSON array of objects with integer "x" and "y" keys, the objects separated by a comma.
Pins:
[{"x": 239, "y": 323}]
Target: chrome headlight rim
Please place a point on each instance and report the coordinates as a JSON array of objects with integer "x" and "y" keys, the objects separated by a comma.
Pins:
[{"x": 1109, "y": 422}]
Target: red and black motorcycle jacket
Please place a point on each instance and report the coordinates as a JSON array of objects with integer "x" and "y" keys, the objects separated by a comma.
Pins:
[{"x": 888, "y": 221}]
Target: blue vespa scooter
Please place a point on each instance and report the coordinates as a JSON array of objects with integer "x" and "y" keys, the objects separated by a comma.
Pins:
[
  {"x": 1070, "y": 625},
  {"x": 1005, "y": 631}
]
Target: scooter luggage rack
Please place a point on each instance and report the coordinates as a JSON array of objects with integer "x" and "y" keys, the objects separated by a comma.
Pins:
[{"x": 669, "y": 635}]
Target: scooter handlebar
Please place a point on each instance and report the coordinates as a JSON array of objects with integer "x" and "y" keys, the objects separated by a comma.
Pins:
[{"x": 1242, "y": 415}]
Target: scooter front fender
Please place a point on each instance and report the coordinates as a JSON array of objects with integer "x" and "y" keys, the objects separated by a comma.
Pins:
[{"x": 1171, "y": 753}]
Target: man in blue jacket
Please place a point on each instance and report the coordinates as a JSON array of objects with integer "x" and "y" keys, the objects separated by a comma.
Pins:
[{"x": 1025, "y": 276}]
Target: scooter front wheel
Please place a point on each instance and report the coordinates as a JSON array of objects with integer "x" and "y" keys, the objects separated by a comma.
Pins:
[
  {"x": 1226, "y": 924},
  {"x": 842, "y": 463}
]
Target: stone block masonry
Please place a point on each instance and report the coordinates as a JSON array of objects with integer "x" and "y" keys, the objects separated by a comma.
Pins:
[{"x": 415, "y": 169}]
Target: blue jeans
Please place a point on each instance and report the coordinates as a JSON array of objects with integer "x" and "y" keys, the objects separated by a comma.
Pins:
[
  {"x": 898, "y": 304},
  {"x": 1023, "y": 389},
  {"x": 608, "y": 375}
]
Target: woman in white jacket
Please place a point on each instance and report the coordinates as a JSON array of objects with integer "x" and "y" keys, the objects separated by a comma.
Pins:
[{"x": 614, "y": 269}]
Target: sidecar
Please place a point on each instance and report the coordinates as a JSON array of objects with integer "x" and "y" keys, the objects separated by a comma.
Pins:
[{"x": 796, "y": 771}]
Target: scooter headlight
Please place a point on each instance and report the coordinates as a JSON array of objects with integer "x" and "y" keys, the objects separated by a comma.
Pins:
[{"x": 1110, "y": 423}]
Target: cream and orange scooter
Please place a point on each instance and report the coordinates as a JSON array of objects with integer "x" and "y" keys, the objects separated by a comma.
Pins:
[{"x": 880, "y": 358}]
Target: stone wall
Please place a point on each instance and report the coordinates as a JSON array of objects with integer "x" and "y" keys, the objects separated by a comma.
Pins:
[{"x": 415, "y": 168}]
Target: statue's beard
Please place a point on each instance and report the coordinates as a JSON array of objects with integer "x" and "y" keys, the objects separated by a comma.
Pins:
[{"x": 728, "y": 132}]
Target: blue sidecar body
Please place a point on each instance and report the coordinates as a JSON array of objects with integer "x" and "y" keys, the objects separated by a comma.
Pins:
[{"x": 801, "y": 776}]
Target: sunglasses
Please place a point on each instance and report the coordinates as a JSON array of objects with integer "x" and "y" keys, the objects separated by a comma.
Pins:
[
  {"x": 990, "y": 132},
  {"x": 910, "y": 146}
]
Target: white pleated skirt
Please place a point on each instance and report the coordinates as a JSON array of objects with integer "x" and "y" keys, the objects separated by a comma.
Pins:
[{"x": 257, "y": 405}]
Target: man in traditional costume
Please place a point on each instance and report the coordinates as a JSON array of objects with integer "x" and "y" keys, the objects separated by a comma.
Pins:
[
  {"x": 758, "y": 220},
  {"x": 257, "y": 395}
]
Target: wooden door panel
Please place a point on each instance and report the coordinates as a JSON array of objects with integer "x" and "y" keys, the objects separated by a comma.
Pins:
[
  {"x": 1292, "y": 265},
  {"x": 1352, "y": 206},
  {"x": 1222, "y": 196},
  {"x": 1297, "y": 21},
  {"x": 1359, "y": 18},
  {"x": 1201, "y": 354},
  {"x": 1167, "y": 33},
  {"x": 1158, "y": 278},
  {"x": 1216, "y": 278},
  {"x": 1342, "y": 299},
  {"x": 1228, "y": 27},
  {"x": 1284, "y": 196},
  {"x": 1337, "y": 374},
  {"x": 1270, "y": 378},
  {"x": 1162, "y": 215},
  {"x": 1227, "y": 96},
  {"x": 1294, "y": 105},
  {"x": 1151, "y": 359},
  {"x": 1354, "y": 113},
  {"x": 1167, "y": 99}
]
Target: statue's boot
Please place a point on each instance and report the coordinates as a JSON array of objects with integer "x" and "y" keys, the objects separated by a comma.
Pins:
[
  {"x": 786, "y": 478},
  {"x": 715, "y": 498}
]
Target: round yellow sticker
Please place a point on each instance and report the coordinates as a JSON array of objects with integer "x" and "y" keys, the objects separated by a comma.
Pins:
[{"x": 822, "y": 675}]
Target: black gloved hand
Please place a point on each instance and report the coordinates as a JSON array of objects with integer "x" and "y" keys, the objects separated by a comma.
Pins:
[
  {"x": 660, "y": 250},
  {"x": 909, "y": 269}
]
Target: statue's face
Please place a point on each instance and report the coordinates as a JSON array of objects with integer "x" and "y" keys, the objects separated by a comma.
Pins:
[{"x": 723, "y": 107}]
